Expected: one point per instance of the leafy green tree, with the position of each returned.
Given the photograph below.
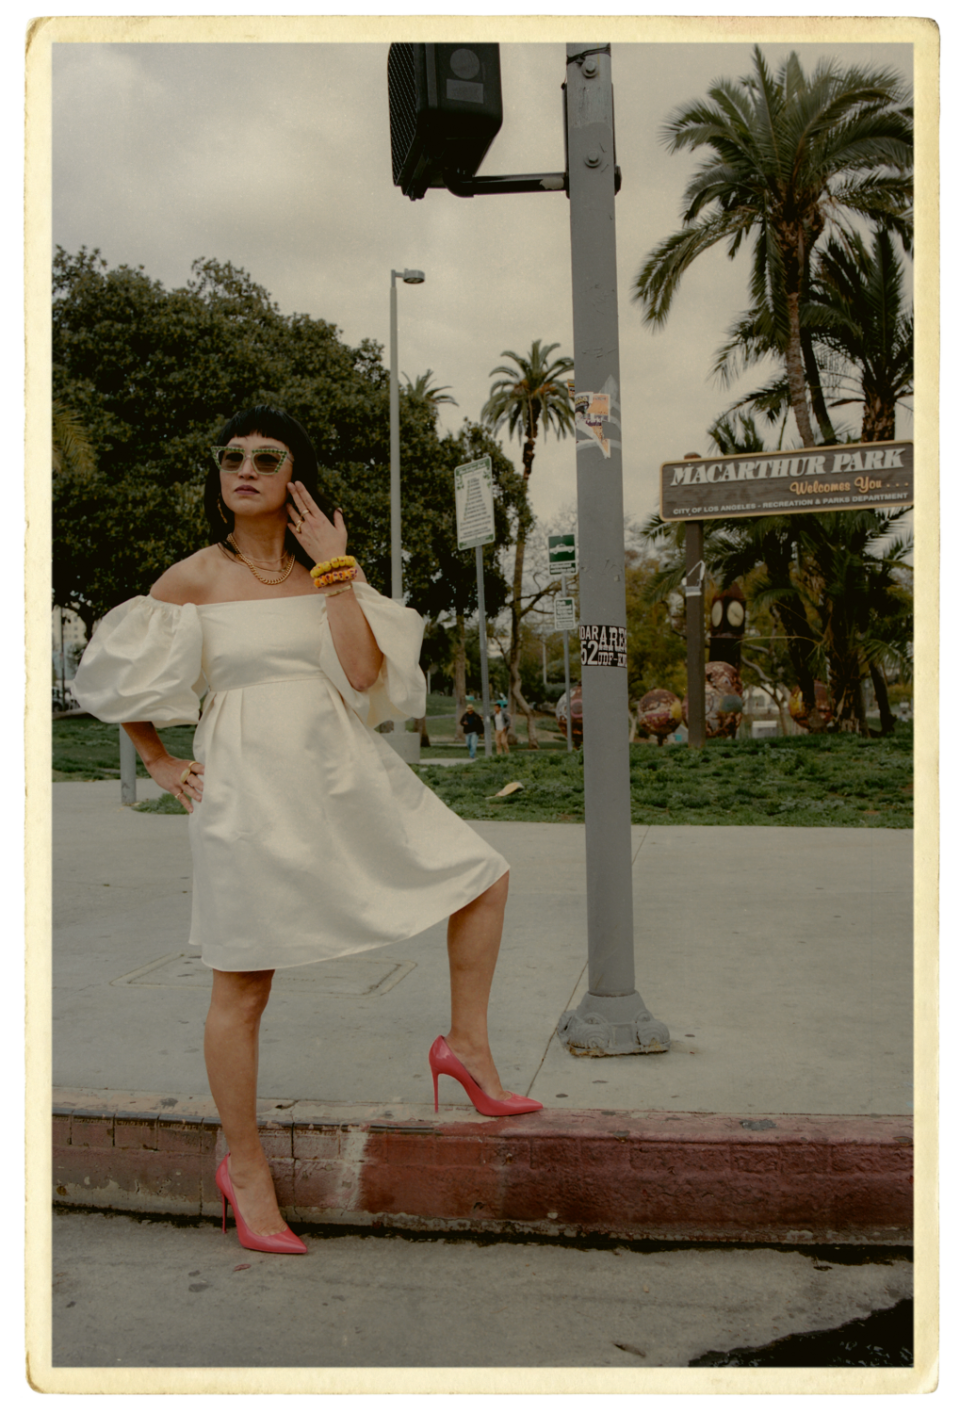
(152, 373)
(789, 157)
(656, 640)
(531, 395)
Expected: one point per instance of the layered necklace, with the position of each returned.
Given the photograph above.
(286, 565)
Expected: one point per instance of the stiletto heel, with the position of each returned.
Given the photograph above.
(444, 1061)
(282, 1243)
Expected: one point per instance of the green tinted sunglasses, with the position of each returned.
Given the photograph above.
(266, 460)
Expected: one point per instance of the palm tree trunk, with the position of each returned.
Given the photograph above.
(795, 378)
(888, 721)
(812, 369)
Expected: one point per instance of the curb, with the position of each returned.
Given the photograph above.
(794, 1179)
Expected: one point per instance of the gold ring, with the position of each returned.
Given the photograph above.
(183, 777)
(194, 765)
(179, 795)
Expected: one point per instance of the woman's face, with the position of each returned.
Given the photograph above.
(248, 492)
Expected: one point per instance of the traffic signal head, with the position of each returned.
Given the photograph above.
(445, 111)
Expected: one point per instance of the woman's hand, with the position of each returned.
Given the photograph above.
(181, 778)
(321, 538)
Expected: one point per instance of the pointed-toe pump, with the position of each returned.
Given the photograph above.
(280, 1243)
(444, 1061)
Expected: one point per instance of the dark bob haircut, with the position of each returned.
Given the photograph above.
(266, 421)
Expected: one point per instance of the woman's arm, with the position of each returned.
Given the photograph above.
(164, 768)
(353, 639)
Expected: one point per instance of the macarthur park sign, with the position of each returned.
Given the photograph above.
(878, 474)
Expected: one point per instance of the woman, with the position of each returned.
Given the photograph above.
(310, 837)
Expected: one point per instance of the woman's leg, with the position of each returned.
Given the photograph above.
(473, 942)
(231, 1050)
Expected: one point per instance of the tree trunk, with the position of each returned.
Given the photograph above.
(789, 613)
(849, 712)
(888, 721)
(513, 662)
(420, 724)
(795, 378)
(812, 369)
(460, 675)
(532, 743)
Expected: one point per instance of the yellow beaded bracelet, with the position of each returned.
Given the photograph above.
(343, 561)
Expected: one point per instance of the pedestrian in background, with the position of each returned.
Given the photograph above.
(472, 724)
(501, 725)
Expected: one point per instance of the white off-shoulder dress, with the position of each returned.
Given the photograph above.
(313, 839)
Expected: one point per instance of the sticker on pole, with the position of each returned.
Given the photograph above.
(473, 488)
(592, 415)
(564, 615)
(602, 645)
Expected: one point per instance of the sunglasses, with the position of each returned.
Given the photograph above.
(266, 460)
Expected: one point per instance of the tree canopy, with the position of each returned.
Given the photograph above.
(149, 374)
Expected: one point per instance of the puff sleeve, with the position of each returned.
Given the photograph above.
(143, 663)
(401, 689)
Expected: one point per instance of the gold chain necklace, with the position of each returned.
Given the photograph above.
(264, 579)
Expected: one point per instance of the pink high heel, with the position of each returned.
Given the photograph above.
(282, 1243)
(444, 1061)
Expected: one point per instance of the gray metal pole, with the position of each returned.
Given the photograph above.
(484, 673)
(612, 1018)
(566, 673)
(396, 566)
(128, 770)
(696, 690)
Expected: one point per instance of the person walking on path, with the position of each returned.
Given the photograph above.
(472, 724)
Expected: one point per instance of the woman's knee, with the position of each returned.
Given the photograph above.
(242, 994)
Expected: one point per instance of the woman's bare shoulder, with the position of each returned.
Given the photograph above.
(189, 580)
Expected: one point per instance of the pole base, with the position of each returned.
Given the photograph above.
(613, 1025)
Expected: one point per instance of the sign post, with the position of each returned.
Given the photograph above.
(612, 1018)
(473, 488)
(562, 552)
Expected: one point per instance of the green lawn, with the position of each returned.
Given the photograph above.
(84, 749)
(794, 780)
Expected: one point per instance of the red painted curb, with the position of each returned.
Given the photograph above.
(792, 1179)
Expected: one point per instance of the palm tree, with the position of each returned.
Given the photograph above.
(524, 398)
(858, 312)
(860, 333)
(790, 157)
(433, 396)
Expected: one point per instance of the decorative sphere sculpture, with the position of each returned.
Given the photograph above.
(659, 714)
(723, 700)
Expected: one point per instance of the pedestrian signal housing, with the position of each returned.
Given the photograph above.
(445, 110)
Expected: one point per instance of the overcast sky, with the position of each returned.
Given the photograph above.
(277, 157)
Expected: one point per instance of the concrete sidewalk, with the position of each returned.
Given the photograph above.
(780, 959)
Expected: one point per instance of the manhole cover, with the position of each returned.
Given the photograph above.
(344, 976)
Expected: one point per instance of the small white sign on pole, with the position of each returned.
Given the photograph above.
(473, 486)
(564, 614)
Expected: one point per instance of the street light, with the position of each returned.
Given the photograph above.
(409, 277)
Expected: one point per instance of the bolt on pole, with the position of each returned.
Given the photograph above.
(612, 1018)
